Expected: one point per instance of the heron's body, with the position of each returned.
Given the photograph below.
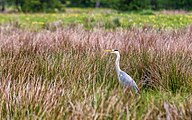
(123, 77)
(127, 81)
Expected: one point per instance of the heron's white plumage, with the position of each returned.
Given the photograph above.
(123, 77)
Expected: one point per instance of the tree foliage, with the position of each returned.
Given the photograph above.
(37, 5)
(133, 4)
(58, 5)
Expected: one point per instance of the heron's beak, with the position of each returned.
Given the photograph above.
(108, 50)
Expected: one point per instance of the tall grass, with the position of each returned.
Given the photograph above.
(65, 74)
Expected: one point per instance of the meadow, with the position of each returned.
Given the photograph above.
(97, 18)
(53, 67)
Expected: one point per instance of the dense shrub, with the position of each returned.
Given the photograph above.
(124, 5)
(37, 5)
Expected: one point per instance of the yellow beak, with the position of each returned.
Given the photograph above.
(108, 50)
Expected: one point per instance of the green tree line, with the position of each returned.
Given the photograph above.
(125, 5)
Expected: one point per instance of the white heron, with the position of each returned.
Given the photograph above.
(123, 77)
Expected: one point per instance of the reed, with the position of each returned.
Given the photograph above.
(65, 74)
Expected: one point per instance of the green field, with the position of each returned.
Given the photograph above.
(98, 19)
(53, 66)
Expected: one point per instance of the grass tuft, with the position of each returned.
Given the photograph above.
(65, 74)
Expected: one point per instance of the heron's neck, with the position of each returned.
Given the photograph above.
(117, 63)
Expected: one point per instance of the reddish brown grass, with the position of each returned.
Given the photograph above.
(65, 74)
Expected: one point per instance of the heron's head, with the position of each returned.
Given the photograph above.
(112, 51)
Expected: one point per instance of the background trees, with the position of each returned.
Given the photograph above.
(59, 5)
(36, 5)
